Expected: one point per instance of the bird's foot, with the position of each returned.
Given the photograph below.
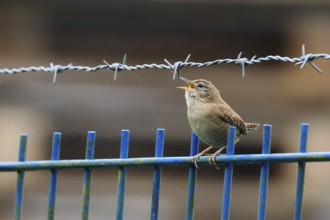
(212, 159)
(196, 158)
(213, 162)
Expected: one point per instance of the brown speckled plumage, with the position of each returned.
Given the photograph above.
(210, 116)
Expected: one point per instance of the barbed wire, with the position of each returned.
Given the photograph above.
(175, 67)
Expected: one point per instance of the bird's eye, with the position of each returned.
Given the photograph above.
(200, 85)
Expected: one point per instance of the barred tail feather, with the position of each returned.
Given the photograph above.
(252, 126)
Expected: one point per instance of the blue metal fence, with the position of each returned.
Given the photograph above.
(123, 163)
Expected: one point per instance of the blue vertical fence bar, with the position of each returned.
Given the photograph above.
(124, 145)
(192, 176)
(301, 172)
(90, 146)
(20, 178)
(53, 175)
(264, 173)
(159, 151)
(228, 176)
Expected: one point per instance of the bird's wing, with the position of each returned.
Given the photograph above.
(228, 115)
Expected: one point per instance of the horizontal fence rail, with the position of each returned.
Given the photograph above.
(229, 161)
(148, 161)
(175, 67)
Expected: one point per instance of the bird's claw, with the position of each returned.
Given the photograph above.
(195, 160)
(212, 160)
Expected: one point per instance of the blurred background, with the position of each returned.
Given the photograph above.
(84, 33)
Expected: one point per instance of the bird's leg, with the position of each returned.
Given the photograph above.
(213, 156)
(197, 156)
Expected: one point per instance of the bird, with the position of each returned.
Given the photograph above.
(209, 117)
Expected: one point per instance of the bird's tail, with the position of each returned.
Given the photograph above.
(252, 126)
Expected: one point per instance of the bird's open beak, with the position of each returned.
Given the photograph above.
(190, 87)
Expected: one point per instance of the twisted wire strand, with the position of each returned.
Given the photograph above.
(175, 67)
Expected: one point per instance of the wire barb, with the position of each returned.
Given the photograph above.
(307, 58)
(177, 66)
(242, 61)
(116, 67)
(54, 71)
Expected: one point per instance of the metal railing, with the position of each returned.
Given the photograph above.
(123, 163)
